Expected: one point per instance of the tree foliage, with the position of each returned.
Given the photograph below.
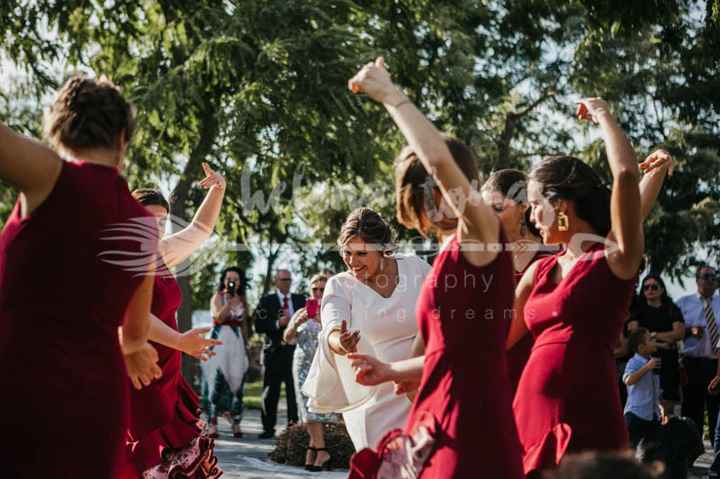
(258, 88)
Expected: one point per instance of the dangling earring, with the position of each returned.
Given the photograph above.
(563, 222)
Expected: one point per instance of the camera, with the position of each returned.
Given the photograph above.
(231, 288)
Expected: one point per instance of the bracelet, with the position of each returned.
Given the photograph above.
(401, 103)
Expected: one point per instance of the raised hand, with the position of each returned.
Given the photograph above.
(212, 179)
(301, 317)
(142, 365)
(591, 109)
(369, 371)
(195, 344)
(657, 160)
(374, 80)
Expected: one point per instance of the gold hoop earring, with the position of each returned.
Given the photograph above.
(563, 222)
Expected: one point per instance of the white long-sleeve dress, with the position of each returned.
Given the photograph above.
(387, 328)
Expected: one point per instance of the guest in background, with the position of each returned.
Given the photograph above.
(227, 368)
(643, 412)
(656, 312)
(303, 331)
(700, 352)
(271, 318)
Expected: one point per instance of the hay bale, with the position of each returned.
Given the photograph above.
(291, 444)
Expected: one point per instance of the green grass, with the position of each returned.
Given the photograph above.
(252, 397)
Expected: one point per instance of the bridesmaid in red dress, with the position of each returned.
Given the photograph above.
(575, 302)
(506, 193)
(461, 421)
(165, 436)
(61, 304)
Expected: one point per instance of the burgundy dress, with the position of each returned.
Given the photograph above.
(461, 424)
(567, 399)
(518, 355)
(165, 434)
(62, 375)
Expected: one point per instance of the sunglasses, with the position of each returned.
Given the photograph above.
(651, 287)
(498, 208)
(284, 279)
(708, 276)
(319, 289)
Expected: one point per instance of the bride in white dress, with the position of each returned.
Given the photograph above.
(371, 309)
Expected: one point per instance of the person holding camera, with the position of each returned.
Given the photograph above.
(226, 370)
(701, 312)
(271, 318)
(303, 331)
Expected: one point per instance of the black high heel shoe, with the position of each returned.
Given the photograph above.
(325, 466)
(310, 466)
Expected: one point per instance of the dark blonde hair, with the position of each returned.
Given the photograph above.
(413, 184)
(367, 225)
(88, 113)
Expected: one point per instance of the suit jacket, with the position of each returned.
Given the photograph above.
(266, 316)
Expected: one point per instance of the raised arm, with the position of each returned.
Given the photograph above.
(518, 329)
(625, 215)
(29, 166)
(656, 167)
(480, 222)
(630, 378)
(177, 247)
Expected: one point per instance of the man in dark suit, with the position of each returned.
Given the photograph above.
(271, 318)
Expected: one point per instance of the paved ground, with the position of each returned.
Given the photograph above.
(246, 458)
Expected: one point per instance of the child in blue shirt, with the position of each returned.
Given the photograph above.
(643, 411)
